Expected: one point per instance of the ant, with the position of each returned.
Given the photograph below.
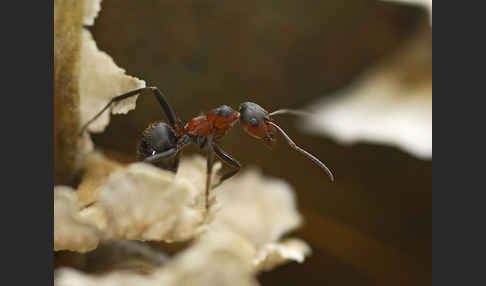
(161, 141)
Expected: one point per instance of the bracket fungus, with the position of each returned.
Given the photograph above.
(241, 235)
(118, 207)
(84, 79)
(390, 104)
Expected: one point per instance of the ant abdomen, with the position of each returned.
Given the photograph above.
(158, 137)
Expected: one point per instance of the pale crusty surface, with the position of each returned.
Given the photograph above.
(85, 79)
(100, 80)
(136, 202)
(70, 232)
(389, 104)
(91, 10)
(238, 238)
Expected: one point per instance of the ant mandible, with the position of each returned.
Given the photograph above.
(161, 141)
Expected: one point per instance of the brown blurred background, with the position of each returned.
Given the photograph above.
(373, 225)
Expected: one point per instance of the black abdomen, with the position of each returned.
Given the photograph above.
(156, 138)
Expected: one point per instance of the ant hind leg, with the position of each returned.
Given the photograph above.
(169, 112)
(209, 170)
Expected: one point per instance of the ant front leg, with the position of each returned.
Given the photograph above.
(175, 164)
(160, 156)
(156, 158)
(228, 159)
(169, 112)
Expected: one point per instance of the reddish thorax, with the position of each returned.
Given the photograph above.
(223, 123)
(198, 126)
(210, 123)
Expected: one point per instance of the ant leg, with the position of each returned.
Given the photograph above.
(209, 169)
(160, 156)
(302, 151)
(175, 164)
(228, 159)
(169, 112)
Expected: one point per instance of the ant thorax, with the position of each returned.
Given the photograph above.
(198, 126)
(216, 122)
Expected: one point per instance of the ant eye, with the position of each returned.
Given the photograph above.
(253, 122)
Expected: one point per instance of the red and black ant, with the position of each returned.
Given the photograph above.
(161, 141)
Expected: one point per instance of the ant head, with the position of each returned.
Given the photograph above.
(255, 122)
(223, 117)
(157, 138)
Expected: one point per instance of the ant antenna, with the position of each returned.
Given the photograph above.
(305, 153)
(290, 111)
